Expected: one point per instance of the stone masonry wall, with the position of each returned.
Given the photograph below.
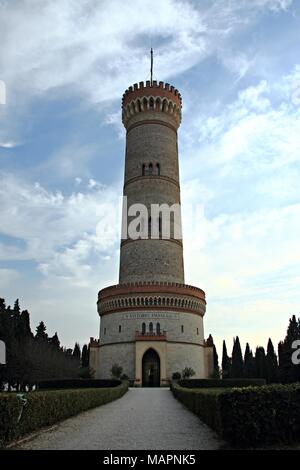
(171, 322)
(149, 260)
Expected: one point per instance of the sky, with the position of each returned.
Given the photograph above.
(65, 65)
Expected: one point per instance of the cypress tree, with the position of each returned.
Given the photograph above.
(271, 364)
(25, 324)
(237, 367)
(216, 373)
(216, 369)
(41, 332)
(17, 310)
(77, 352)
(54, 341)
(85, 360)
(260, 362)
(31, 358)
(249, 365)
(2, 305)
(226, 363)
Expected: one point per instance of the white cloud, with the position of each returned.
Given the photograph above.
(92, 47)
(93, 184)
(53, 225)
(275, 5)
(257, 133)
(97, 49)
(238, 63)
(8, 144)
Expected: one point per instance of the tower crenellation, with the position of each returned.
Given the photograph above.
(145, 97)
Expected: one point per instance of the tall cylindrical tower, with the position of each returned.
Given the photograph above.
(152, 322)
(151, 116)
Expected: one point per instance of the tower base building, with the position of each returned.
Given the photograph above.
(151, 323)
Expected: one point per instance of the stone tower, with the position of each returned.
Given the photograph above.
(152, 322)
(151, 116)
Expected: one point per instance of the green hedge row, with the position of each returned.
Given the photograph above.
(77, 383)
(223, 383)
(253, 416)
(45, 408)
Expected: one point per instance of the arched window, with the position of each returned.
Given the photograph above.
(120, 328)
(182, 329)
(158, 328)
(160, 226)
(149, 227)
(150, 327)
(150, 169)
(151, 103)
(143, 169)
(143, 328)
(105, 331)
(197, 331)
(158, 169)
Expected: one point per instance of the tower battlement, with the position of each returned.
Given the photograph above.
(158, 96)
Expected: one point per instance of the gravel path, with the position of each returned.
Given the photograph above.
(146, 418)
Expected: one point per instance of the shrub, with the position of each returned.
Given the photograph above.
(116, 371)
(263, 415)
(176, 376)
(201, 402)
(224, 383)
(44, 408)
(77, 383)
(188, 372)
(251, 416)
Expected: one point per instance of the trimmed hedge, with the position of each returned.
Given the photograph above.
(77, 383)
(45, 408)
(253, 416)
(224, 383)
(203, 402)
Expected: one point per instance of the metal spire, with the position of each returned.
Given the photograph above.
(151, 69)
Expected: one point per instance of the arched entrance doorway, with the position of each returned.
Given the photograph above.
(151, 369)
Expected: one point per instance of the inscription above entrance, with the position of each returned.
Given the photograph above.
(160, 315)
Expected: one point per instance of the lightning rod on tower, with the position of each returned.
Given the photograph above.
(151, 69)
